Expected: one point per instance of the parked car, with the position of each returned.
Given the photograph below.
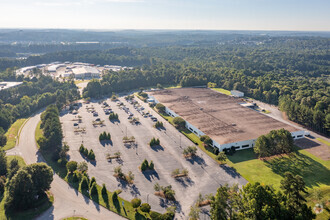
(95, 114)
(75, 124)
(98, 119)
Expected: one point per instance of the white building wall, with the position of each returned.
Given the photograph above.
(241, 145)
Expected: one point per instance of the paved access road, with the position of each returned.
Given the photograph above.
(68, 201)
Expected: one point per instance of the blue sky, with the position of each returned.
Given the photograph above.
(313, 15)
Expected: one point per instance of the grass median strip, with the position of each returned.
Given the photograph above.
(13, 133)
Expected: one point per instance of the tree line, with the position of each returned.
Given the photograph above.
(32, 95)
(259, 201)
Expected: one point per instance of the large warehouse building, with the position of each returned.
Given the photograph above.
(221, 117)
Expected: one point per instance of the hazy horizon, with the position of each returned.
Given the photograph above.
(231, 15)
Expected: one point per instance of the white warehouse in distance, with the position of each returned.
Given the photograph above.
(219, 116)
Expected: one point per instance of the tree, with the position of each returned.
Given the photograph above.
(20, 191)
(82, 167)
(144, 165)
(136, 202)
(42, 176)
(145, 207)
(2, 185)
(93, 190)
(72, 166)
(179, 122)
(194, 212)
(84, 183)
(104, 190)
(293, 187)
(3, 137)
(93, 180)
(219, 204)
(91, 155)
(114, 197)
(3, 163)
(13, 168)
(160, 107)
(151, 165)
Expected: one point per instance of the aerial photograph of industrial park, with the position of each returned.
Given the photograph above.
(164, 110)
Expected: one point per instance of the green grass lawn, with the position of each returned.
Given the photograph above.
(12, 133)
(323, 141)
(42, 205)
(314, 171)
(224, 91)
(38, 133)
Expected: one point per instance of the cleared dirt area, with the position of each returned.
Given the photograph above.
(314, 147)
(205, 175)
(219, 116)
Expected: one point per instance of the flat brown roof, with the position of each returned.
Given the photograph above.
(217, 115)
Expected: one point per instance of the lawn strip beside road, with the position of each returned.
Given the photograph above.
(13, 133)
(127, 211)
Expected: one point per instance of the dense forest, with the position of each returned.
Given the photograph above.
(289, 71)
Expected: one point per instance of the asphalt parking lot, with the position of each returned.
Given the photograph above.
(205, 175)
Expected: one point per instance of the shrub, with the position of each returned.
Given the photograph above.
(179, 122)
(104, 189)
(72, 166)
(190, 151)
(157, 187)
(136, 202)
(130, 176)
(114, 197)
(84, 183)
(145, 207)
(94, 189)
(221, 157)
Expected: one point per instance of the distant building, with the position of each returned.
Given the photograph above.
(237, 93)
(53, 68)
(86, 72)
(7, 85)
